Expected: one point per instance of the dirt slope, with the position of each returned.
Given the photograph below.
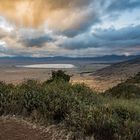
(12, 128)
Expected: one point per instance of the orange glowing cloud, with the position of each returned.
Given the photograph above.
(58, 14)
(24, 12)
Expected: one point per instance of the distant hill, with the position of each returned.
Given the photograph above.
(120, 71)
(60, 59)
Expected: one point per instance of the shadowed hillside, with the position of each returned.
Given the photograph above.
(120, 70)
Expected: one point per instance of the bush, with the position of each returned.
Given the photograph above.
(77, 107)
(7, 98)
(59, 76)
(124, 90)
(30, 96)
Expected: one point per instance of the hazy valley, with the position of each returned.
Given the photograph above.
(98, 73)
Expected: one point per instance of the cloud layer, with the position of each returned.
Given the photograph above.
(69, 27)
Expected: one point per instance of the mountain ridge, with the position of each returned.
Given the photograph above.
(104, 59)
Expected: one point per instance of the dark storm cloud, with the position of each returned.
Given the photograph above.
(125, 37)
(127, 33)
(37, 42)
(111, 8)
(93, 20)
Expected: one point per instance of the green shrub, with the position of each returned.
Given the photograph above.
(76, 106)
(124, 90)
(7, 98)
(30, 96)
(59, 76)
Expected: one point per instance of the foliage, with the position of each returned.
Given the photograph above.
(128, 89)
(59, 76)
(77, 107)
(124, 90)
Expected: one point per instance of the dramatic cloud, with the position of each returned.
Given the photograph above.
(122, 40)
(59, 15)
(69, 27)
(37, 42)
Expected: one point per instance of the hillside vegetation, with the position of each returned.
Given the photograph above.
(127, 90)
(76, 107)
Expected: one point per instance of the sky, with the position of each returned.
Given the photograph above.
(74, 28)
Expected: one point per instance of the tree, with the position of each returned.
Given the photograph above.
(59, 76)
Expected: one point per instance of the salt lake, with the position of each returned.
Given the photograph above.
(49, 66)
